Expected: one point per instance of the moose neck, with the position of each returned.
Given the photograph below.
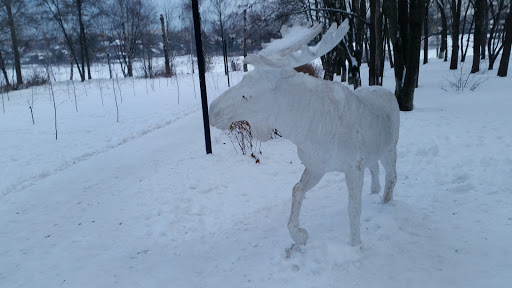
(306, 109)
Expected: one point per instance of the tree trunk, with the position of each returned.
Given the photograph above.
(379, 43)
(405, 96)
(4, 71)
(463, 51)
(14, 41)
(425, 33)
(484, 29)
(455, 8)
(396, 39)
(373, 47)
(505, 56)
(83, 48)
(109, 66)
(477, 37)
(406, 64)
(129, 65)
(444, 31)
(166, 49)
(245, 36)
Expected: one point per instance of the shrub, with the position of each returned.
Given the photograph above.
(160, 73)
(241, 132)
(462, 80)
(37, 79)
(236, 66)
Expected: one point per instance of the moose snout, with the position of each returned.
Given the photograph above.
(217, 117)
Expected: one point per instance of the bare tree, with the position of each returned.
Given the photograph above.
(7, 5)
(220, 7)
(166, 48)
(129, 20)
(84, 48)
(58, 10)
(496, 33)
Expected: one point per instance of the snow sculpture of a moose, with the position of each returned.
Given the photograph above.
(334, 128)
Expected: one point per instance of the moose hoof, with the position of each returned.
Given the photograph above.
(300, 236)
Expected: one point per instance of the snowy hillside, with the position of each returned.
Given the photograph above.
(137, 203)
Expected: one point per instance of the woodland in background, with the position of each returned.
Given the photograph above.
(119, 32)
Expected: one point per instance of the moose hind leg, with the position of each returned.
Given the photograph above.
(389, 164)
(307, 181)
(354, 181)
(374, 171)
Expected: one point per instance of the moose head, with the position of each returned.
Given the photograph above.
(334, 128)
(251, 99)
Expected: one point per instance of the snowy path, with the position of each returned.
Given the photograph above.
(158, 212)
(34, 154)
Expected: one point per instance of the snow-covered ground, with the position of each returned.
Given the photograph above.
(137, 203)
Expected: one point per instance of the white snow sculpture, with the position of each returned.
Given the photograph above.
(334, 128)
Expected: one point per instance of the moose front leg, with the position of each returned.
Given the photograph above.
(307, 181)
(354, 181)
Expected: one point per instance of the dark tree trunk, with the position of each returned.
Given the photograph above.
(14, 41)
(397, 41)
(166, 49)
(502, 70)
(245, 36)
(406, 64)
(375, 43)
(372, 73)
(484, 29)
(406, 95)
(455, 8)
(477, 37)
(4, 71)
(425, 33)
(109, 66)
(379, 43)
(463, 51)
(83, 45)
(444, 31)
(71, 69)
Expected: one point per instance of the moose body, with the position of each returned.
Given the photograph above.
(333, 127)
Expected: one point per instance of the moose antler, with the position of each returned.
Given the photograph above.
(292, 50)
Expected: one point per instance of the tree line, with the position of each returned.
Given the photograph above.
(119, 32)
(396, 29)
